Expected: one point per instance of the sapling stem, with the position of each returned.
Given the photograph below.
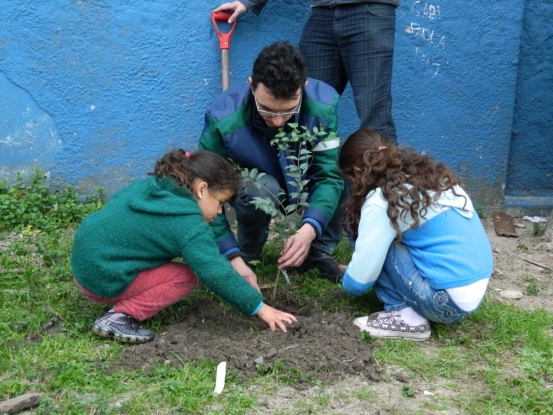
(273, 294)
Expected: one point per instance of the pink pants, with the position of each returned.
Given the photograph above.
(152, 291)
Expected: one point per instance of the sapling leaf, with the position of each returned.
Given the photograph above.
(291, 208)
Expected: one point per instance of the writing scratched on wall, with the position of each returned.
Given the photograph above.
(427, 35)
(428, 11)
(429, 43)
(427, 61)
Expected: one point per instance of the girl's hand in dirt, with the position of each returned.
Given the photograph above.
(272, 316)
(237, 8)
(240, 267)
(296, 247)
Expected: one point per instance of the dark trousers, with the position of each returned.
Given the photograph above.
(253, 223)
(355, 43)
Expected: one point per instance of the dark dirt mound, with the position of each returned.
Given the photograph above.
(319, 346)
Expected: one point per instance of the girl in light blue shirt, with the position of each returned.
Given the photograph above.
(419, 242)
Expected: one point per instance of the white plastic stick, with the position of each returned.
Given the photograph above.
(220, 378)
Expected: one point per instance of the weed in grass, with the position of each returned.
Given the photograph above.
(407, 391)
(276, 371)
(31, 206)
(481, 212)
(522, 247)
(538, 230)
(366, 337)
(533, 289)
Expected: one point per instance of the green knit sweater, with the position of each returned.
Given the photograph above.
(146, 225)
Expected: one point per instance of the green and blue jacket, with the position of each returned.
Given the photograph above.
(235, 130)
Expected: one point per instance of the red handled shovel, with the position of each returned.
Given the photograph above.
(224, 43)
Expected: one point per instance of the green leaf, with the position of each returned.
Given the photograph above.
(291, 208)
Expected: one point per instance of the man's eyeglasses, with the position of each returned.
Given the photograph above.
(270, 114)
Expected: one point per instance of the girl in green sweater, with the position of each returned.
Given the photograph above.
(123, 254)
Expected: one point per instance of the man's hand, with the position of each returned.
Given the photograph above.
(240, 267)
(272, 316)
(296, 247)
(237, 8)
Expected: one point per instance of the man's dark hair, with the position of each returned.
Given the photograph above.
(281, 68)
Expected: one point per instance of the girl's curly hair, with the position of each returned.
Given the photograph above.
(410, 182)
(218, 173)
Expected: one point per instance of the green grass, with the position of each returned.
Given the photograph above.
(501, 357)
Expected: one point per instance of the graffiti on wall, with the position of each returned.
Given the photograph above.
(429, 43)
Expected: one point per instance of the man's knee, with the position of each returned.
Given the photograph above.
(266, 187)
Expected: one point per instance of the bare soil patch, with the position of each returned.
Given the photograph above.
(320, 346)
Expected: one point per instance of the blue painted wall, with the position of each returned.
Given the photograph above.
(95, 91)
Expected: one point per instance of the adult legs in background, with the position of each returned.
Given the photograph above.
(355, 43)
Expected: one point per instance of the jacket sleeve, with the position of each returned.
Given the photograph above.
(326, 180)
(255, 6)
(375, 235)
(212, 140)
(200, 253)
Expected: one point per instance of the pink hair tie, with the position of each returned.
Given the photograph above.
(382, 148)
(187, 154)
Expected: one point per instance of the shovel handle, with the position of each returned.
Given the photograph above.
(224, 38)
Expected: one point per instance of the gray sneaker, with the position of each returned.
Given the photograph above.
(391, 326)
(121, 327)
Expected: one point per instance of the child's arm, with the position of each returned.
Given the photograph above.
(375, 235)
(272, 316)
(240, 267)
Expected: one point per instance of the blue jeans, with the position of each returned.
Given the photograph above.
(401, 285)
(355, 43)
(253, 223)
